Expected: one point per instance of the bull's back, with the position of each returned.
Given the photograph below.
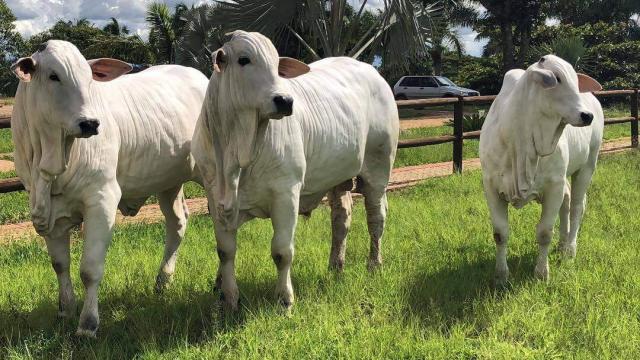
(156, 112)
(344, 108)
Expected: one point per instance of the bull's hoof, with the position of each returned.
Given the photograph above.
(542, 272)
(85, 333)
(336, 265)
(286, 306)
(568, 251)
(374, 264)
(88, 327)
(163, 280)
(229, 302)
(67, 311)
(501, 279)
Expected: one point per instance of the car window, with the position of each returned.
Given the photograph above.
(444, 81)
(410, 82)
(428, 82)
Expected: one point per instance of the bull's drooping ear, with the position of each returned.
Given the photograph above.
(24, 68)
(588, 84)
(107, 69)
(546, 78)
(219, 60)
(289, 68)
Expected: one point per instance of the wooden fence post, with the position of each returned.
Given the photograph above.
(458, 129)
(634, 114)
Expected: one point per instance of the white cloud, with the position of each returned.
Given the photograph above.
(35, 16)
(471, 45)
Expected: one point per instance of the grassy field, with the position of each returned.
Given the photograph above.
(433, 297)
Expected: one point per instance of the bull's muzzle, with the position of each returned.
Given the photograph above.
(284, 105)
(587, 118)
(88, 127)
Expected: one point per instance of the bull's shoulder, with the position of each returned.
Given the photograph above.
(510, 79)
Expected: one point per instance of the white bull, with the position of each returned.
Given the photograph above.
(334, 120)
(527, 151)
(89, 142)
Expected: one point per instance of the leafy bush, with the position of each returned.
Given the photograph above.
(471, 122)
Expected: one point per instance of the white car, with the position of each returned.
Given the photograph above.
(416, 87)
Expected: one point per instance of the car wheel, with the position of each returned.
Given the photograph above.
(401, 97)
(448, 95)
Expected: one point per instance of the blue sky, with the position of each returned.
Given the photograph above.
(37, 15)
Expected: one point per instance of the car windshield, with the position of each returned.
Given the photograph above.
(444, 81)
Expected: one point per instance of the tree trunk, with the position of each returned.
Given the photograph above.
(525, 44)
(436, 59)
(508, 58)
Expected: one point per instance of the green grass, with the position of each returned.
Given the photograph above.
(6, 146)
(432, 299)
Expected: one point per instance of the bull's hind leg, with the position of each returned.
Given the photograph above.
(58, 247)
(564, 214)
(375, 177)
(341, 203)
(579, 186)
(99, 219)
(173, 207)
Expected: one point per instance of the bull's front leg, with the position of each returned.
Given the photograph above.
(227, 206)
(499, 211)
(41, 204)
(284, 217)
(99, 220)
(58, 241)
(226, 277)
(553, 198)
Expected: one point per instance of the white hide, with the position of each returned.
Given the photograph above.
(537, 134)
(257, 162)
(142, 148)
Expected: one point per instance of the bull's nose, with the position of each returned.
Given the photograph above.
(284, 104)
(89, 127)
(586, 118)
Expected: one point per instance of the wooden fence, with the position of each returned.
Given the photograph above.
(458, 136)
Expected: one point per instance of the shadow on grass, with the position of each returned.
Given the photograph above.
(452, 294)
(133, 322)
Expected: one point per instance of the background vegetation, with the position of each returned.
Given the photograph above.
(404, 37)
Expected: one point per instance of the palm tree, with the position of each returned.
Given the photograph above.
(201, 35)
(399, 34)
(165, 29)
(114, 28)
(444, 36)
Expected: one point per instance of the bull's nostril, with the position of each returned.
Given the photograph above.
(89, 127)
(586, 117)
(284, 104)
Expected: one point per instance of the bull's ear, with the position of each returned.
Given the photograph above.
(107, 69)
(546, 78)
(219, 60)
(289, 68)
(588, 84)
(24, 68)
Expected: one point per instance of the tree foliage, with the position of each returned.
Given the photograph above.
(11, 45)
(201, 36)
(399, 32)
(94, 42)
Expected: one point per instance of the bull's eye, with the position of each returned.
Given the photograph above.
(244, 61)
(54, 77)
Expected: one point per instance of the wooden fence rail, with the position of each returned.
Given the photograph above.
(458, 136)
